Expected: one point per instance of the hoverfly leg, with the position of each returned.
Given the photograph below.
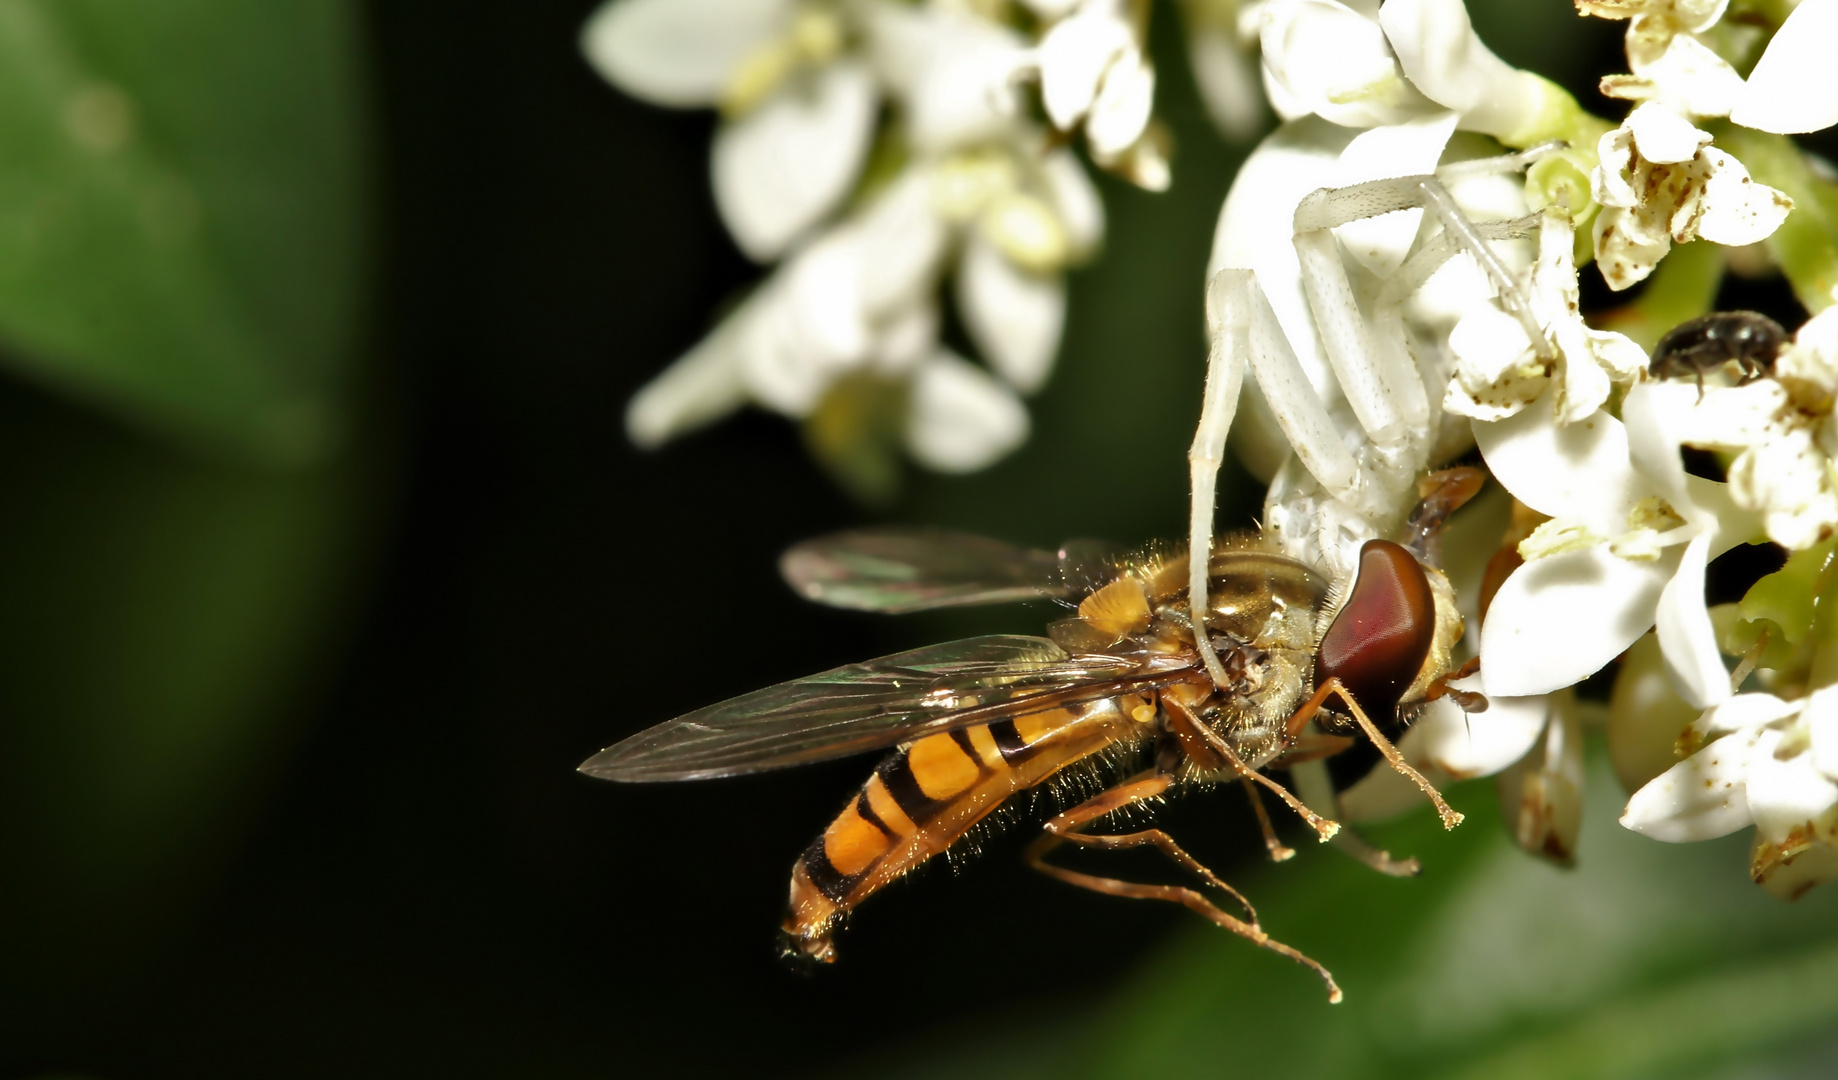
(1333, 688)
(1066, 828)
(1189, 726)
(1356, 846)
(1310, 748)
(1279, 852)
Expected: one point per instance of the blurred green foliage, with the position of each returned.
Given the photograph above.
(181, 224)
(1646, 960)
(183, 232)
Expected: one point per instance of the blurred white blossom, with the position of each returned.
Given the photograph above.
(965, 189)
(798, 102)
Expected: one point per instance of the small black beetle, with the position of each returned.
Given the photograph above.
(1708, 342)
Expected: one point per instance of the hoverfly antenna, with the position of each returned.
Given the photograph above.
(1440, 495)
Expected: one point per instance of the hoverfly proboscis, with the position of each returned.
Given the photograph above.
(977, 721)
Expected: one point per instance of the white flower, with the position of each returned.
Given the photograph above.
(1361, 65)
(862, 297)
(1786, 433)
(1670, 61)
(1766, 762)
(1627, 545)
(1794, 87)
(1660, 183)
(800, 106)
(1497, 373)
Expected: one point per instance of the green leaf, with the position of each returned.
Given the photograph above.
(182, 213)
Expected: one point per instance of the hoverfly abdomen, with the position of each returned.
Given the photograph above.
(926, 795)
(1705, 344)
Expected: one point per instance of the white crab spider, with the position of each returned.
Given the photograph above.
(1369, 476)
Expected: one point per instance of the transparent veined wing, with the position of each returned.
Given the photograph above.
(875, 704)
(897, 570)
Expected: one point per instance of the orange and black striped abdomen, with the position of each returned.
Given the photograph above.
(927, 794)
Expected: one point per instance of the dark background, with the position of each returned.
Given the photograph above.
(394, 869)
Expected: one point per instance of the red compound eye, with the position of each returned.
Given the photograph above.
(1377, 643)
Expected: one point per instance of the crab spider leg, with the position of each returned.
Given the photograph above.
(1440, 248)
(1456, 223)
(1386, 397)
(1245, 328)
(1228, 312)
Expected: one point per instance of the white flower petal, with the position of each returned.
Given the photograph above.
(1822, 728)
(1649, 415)
(679, 52)
(1700, 798)
(784, 166)
(1410, 148)
(823, 294)
(1692, 77)
(1685, 634)
(1541, 796)
(961, 420)
(1786, 793)
(1586, 384)
(1120, 115)
(1014, 316)
(1794, 87)
(1439, 51)
(903, 243)
(905, 339)
(1744, 711)
(1559, 619)
(1581, 470)
(1075, 200)
(1646, 717)
(1487, 343)
(779, 369)
(701, 387)
(1335, 62)
(1228, 82)
(1663, 136)
(1733, 209)
(1074, 56)
(1481, 744)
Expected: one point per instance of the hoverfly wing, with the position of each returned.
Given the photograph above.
(861, 707)
(896, 570)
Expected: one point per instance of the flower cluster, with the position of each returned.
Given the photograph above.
(1612, 537)
(1620, 534)
(870, 150)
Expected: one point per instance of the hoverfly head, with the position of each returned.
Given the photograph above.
(1390, 644)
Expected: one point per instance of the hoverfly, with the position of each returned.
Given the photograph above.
(975, 722)
(1705, 344)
